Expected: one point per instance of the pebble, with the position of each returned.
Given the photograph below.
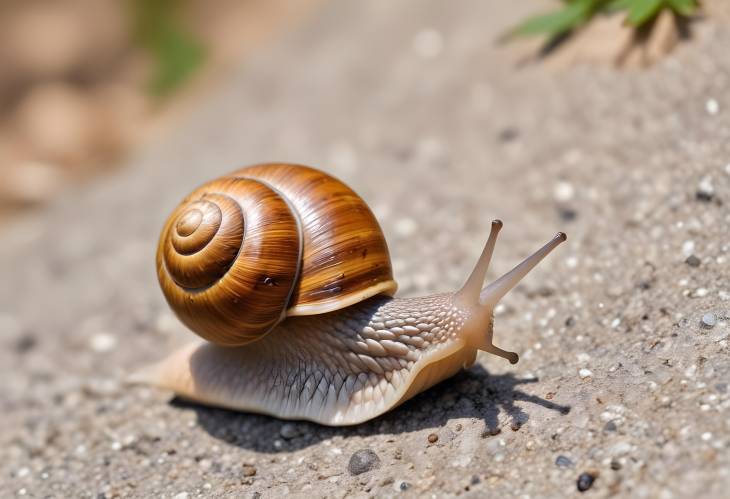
(25, 343)
(688, 248)
(585, 481)
(181, 495)
(610, 427)
(712, 106)
(705, 189)
(692, 261)
(102, 342)
(563, 191)
(362, 461)
(249, 470)
(709, 320)
(433, 438)
(563, 462)
(406, 227)
(585, 373)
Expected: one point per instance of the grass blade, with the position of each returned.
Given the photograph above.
(556, 23)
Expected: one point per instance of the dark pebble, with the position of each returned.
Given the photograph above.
(570, 321)
(405, 485)
(433, 438)
(25, 344)
(704, 195)
(610, 427)
(362, 461)
(508, 134)
(249, 470)
(563, 462)
(567, 214)
(693, 261)
(475, 480)
(615, 465)
(585, 481)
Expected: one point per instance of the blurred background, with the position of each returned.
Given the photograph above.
(605, 119)
(85, 82)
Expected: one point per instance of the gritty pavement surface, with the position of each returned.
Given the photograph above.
(622, 388)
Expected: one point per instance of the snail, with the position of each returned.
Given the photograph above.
(285, 272)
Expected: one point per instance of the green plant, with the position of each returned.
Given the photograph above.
(176, 51)
(575, 13)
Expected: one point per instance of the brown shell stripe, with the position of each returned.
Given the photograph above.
(230, 280)
(345, 257)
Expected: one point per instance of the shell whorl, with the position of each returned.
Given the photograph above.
(243, 251)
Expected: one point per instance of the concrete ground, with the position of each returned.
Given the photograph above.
(623, 332)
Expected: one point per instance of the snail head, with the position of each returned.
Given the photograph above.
(478, 303)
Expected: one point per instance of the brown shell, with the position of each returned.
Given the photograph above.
(243, 251)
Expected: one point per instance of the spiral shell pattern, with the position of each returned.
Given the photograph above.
(228, 260)
(243, 251)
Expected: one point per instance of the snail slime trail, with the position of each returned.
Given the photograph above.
(284, 273)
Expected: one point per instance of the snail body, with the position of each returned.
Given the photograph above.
(286, 273)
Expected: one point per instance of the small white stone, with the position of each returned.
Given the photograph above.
(181, 495)
(428, 43)
(688, 248)
(712, 106)
(705, 187)
(103, 342)
(116, 445)
(615, 323)
(727, 168)
(406, 227)
(707, 436)
(563, 191)
(22, 472)
(709, 320)
(585, 373)
(571, 262)
(700, 292)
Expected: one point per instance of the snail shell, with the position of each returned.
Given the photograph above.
(244, 251)
(269, 242)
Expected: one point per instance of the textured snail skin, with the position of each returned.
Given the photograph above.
(353, 364)
(340, 368)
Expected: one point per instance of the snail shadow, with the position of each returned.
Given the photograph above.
(470, 394)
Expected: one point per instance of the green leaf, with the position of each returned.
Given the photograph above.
(176, 52)
(559, 22)
(619, 5)
(683, 7)
(641, 11)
